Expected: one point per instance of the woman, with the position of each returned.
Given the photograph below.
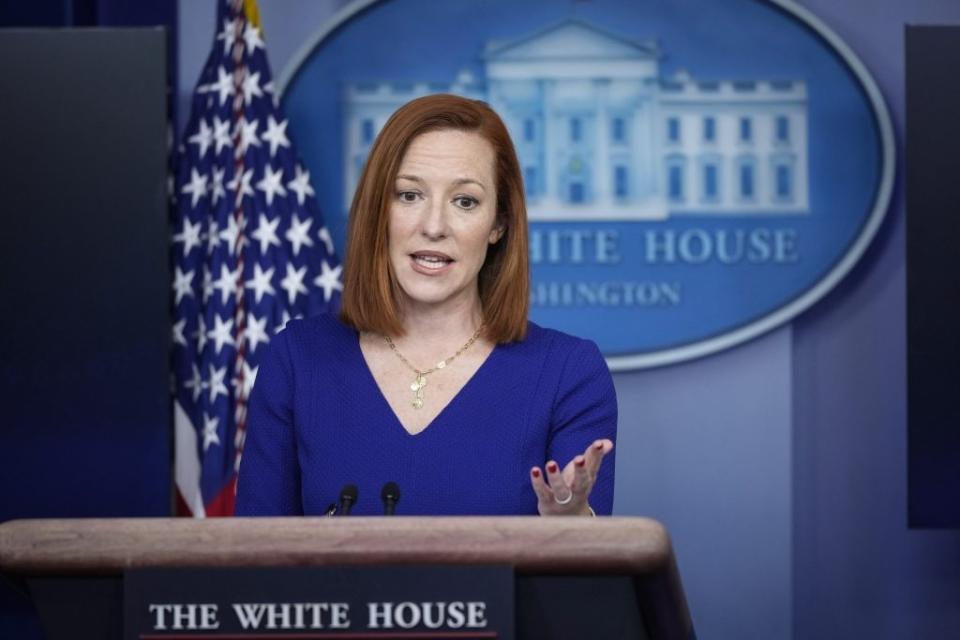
(432, 377)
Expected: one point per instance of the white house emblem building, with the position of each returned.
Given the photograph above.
(602, 136)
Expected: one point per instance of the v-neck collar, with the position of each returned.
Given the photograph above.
(375, 386)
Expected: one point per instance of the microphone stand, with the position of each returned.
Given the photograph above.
(348, 497)
(390, 494)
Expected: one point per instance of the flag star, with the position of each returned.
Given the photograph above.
(301, 185)
(197, 187)
(200, 334)
(216, 384)
(248, 135)
(276, 135)
(299, 233)
(178, 332)
(216, 185)
(228, 35)
(293, 282)
(203, 138)
(221, 333)
(241, 184)
(189, 236)
(207, 283)
(251, 87)
(326, 239)
(221, 133)
(329, 280)
(195, 384)
(210, 435)
(245, 379)
(223, 86)
(260, 283)
(213, 236)
(256, 332)
(226, 284)
(233, 234)
(182, 284)
(251, 37)
(266, 233)
(271, 184)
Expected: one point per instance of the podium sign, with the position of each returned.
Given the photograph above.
(406, 601)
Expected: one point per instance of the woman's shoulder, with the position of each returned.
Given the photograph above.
(324, 332)
(322, 325)
(568, 370)
(552, 349)
(553, 340)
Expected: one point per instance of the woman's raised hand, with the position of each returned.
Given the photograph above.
(567, 492)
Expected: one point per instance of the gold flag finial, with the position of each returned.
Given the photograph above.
(252, 12)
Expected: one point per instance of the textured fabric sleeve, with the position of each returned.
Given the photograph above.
(269, 480)
(585, 410)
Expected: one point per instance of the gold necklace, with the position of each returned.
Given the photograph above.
(421, 376)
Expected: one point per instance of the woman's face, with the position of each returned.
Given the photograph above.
(443, 216)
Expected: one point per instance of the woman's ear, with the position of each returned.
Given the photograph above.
(496, 233)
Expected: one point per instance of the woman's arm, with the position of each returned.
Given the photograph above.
(584, 416)
(269, 480)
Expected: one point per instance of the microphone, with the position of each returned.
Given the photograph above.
(348, 497)
(390, 494)
(331, 509)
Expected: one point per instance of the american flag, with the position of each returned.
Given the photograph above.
(250, 252)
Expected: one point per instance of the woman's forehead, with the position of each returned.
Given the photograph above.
(449, 154)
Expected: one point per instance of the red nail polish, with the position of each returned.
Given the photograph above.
(598, 446)
(552, 467)
(581, 462)
(535, 472)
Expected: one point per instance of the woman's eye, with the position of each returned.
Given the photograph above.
(465, 202)
(408, 196)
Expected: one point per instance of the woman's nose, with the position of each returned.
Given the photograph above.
(434, 222)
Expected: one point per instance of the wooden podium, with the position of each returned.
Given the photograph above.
(575, 577)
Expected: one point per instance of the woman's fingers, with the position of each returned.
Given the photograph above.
(554, 498)
(567, 491)
(544, 494)
(582, 480)
(594, 455)
(561, 492)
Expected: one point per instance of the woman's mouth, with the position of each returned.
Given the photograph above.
(430, 262)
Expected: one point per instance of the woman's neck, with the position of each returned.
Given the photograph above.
(434, 332)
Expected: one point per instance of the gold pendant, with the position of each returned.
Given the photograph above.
(417, 387)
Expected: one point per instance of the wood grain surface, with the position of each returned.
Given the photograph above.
(610, 546)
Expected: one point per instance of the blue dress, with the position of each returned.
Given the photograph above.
(317, 421)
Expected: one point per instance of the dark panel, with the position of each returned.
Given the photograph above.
(83, 265)
(87, 13)
(39, 13)
(933, 278)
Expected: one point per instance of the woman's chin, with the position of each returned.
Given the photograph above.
(431, 296)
